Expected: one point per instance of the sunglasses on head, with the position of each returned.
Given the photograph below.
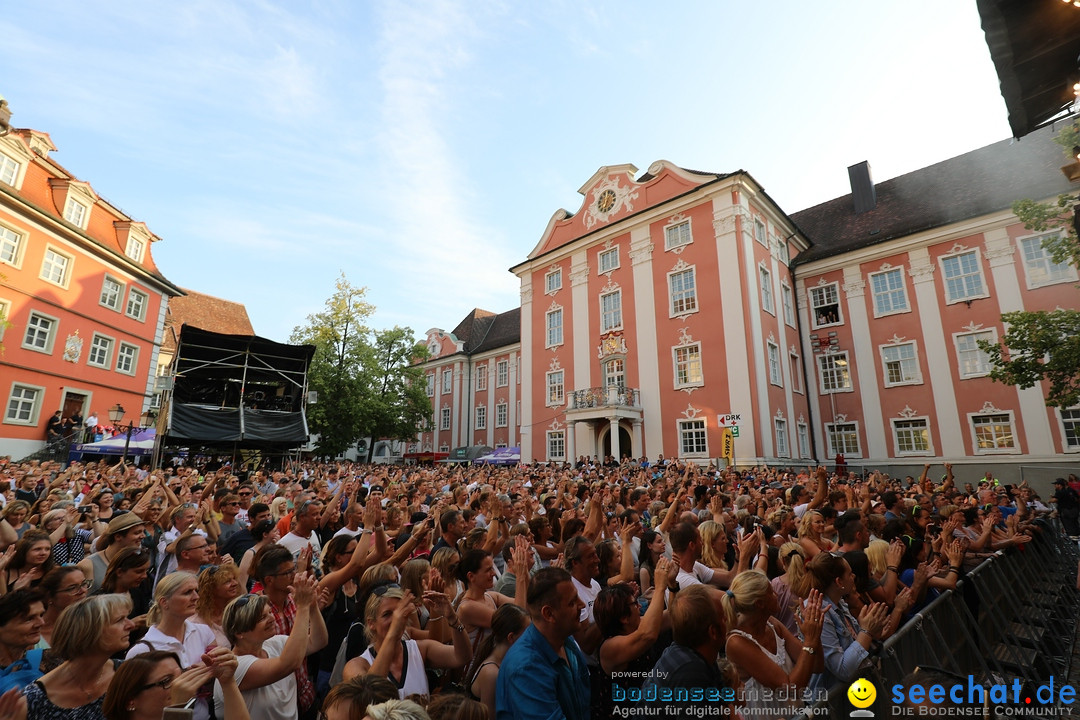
(380, 590)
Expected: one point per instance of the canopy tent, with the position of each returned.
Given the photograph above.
(501, 456)
(142, 443)
(240, 390)
(467, 453)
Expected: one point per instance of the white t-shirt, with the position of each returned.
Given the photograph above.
(701, 574)
(296, 543)
(276, 701)
(588, 596)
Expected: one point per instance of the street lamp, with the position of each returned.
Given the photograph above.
(116, 414)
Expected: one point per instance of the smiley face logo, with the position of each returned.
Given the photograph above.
(862, 693)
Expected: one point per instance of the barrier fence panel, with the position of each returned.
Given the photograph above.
(1013, 617)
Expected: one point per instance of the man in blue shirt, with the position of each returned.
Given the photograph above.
(544, 675)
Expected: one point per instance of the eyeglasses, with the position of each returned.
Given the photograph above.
(197, 547)
(244, 600)
(244, 493)
(164, 683)
(290, 571)
(74, 589)
(234, 502)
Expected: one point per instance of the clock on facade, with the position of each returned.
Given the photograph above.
(606, 201)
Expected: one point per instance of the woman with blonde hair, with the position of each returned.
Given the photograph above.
(393, 655)
(446, 561)
(173, 627)
(812, 534)
(219, 585)
(714, 543)
(791, 587)
(86, 636)
(767, 655)
(267, 661)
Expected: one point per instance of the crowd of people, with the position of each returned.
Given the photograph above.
(589, 589)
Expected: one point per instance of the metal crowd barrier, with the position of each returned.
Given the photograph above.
(1013, 617)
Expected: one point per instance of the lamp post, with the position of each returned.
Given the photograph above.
(116, 414)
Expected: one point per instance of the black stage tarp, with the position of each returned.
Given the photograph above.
(238, 389)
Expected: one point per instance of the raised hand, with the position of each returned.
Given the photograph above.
(873, 618)
(811, 619)
(303, 588)
(188, 683)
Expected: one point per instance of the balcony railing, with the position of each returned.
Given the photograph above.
(610, 396)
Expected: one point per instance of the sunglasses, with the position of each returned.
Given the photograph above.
(381, 590)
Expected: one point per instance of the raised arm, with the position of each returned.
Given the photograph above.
(265, 671)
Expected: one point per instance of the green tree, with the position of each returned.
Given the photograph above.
(340, 336)
(397, 406)
(1040, 345)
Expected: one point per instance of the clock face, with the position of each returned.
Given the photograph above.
(606, 201)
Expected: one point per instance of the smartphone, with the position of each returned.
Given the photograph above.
(84, 509)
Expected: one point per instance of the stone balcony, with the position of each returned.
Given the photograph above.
(613, 396)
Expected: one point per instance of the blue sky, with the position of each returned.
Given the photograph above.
(422, 147)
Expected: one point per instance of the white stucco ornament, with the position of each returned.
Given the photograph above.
(608, 198)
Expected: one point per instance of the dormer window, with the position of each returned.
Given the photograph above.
(75, 212)
(135, 247)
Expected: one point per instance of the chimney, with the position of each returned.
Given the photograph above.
(862, 187)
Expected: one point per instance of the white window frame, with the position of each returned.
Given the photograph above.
(917, 377)
(555, 388)
(66, 268)
(136, 248)
(611, 320)
(833, 359)
(810, 291)
(795, 363)
(481, 377)
(783, 448)
(10, 170)
(556, 444)
(502, 373)
(615, 372)
(142, 305)
(804, 439)
(1013, 450)
(444, 417)
(765, 279)
(10, 237)
(676, 230)
(431, 384)
(776, 371)
(480, 416)
(1054, 274)
(1064, 423)
(830, 429)
(118, 303)
(788, 300)
(502, 414)
(444, 448)
(682, 301)
(925, 420)
(553, 325)
(949, 298)
(447, 381)
(607, 260)
(76, 212)
(122, 353)
(50, 337)
(695, 431)
(553, 281)
(99, 341)
(692, 350)
(991, 336)
(889, 292)
(35, 404)
(760, 232)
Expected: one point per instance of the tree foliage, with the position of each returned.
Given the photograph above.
(397, 405)
(366, 383)
(1040, 345)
